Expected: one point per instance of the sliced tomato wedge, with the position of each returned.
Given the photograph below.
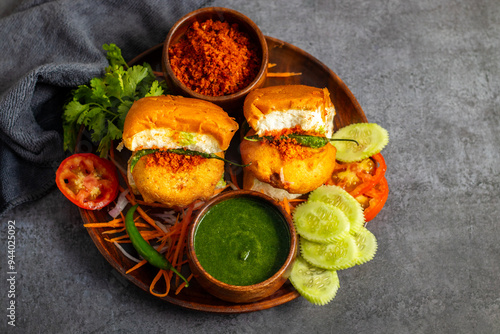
(87, 180)
(358, 177)
(374, 199)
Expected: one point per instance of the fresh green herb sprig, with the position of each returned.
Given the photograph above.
(139, 154)
(304, 140)
(103, 105)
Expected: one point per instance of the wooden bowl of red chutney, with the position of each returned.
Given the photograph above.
(242, 246)
(215, 54)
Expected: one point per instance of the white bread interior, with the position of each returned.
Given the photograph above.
(169, 139)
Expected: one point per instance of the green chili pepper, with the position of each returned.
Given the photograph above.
(144, 248)
(304, 140)
(139, 154)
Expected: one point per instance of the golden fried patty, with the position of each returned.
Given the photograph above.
(289, 166)
(177, 180)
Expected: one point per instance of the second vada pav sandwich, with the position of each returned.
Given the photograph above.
(287, 145)
(178, 147)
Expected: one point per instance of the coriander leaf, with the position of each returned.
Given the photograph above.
(104, 146)
(103, 104)
(114, 55)
(132, 78)
(70, 134)
(113, 131)
(156, 89)
(92, 114)
(99, 91)
(98, 127)
(73, 110)
(82, 94)
(123, 109)
(114, 81)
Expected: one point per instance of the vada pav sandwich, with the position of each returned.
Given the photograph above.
(287, 146)
(178, 147)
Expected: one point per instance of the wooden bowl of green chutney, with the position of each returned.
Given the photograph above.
(242, 246)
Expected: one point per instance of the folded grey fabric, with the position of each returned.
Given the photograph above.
(48, 48)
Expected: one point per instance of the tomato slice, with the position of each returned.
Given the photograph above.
(375, 199)
(358, 177)
(87, 180)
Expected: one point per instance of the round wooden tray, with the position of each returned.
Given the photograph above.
(287, 58)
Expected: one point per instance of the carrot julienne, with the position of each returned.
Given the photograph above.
(286, 204)
(233, 178)
(164, 274)
(138, 265)
(183, 284)
(282, 74)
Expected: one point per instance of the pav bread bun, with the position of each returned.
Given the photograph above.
(162, 121)
(166, 135)
(285, 107)
(282, 163)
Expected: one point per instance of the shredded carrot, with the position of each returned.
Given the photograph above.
(118, 222)
(233, 178)
(115, 231)
(161, 273)
(286, 205)
(158, 74)
(282, 74)
(297, 200)
(118, 239)
(127, 241)
(183, 284)
(140, 264)
(181, 243)
(270, 65)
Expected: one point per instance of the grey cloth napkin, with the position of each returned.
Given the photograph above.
(48, 48)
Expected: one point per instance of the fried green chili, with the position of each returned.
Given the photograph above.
(144, 248)
(304, 140)
(139, 154)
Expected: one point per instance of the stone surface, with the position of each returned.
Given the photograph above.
(427, 71)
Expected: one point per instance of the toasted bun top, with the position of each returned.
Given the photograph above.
(263, 101)
(179, 114)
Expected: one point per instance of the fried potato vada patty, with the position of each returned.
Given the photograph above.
(298, 171)
(178, 180)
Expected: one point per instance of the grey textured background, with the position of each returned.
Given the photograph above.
(427, 71)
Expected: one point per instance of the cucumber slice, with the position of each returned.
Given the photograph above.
(341, 254)
(366, 244)
(371, 137)
(320, 222)
(318, 286)
(341, 199)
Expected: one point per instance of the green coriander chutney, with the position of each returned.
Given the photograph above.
(242, 241)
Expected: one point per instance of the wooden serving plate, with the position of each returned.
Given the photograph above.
(287, 58)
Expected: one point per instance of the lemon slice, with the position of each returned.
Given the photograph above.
(338, 255)
(366, 244)
(318, 286)
(341, 199)
(320, 222)
(371, 138)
